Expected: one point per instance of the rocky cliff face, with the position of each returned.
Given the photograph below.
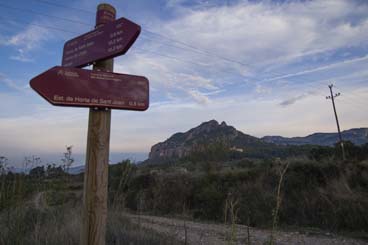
(182, 144)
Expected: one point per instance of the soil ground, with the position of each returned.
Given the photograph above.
(218, 234)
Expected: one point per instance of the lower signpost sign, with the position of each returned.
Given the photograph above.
(64, 86)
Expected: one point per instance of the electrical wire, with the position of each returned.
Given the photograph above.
(33, 24)
(42, 14)
(63, 6)
(188, 47)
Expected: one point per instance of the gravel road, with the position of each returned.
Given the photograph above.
(217, 234)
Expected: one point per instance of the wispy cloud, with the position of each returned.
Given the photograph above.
(321, 68)
(27, 41)
(199, 97)
(11, 83)
(235, 46)
(241, 40)
(294, 99)
(250, 31)
(260, 89)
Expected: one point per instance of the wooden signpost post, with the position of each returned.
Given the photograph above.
(101, 90)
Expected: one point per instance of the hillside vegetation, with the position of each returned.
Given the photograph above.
(314, 190)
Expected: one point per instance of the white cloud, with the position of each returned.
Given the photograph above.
(21, 56)
(255, 32)
(11, 84)
(138, 131)
(199, 97)
(192, 87)
(264, 35)
(262, 89)
(321, 68)
(294, 99)
(28, 40)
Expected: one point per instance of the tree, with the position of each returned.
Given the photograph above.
(31, 162)
(37, 172)
(53, 171)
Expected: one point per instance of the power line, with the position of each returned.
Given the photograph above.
(157, 53)
(168, 56)
(144, 50)
(141, 49)
(42, 14)
(354, 96)
(42, 26)
(177, 59)
(201, 51)
(357, 106)
(188, 47)
(63, 6)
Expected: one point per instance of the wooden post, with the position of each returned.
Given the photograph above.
(94, 210)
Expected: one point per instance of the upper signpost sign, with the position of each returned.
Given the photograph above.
(105, 42)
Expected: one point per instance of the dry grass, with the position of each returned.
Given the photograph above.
(53, 217)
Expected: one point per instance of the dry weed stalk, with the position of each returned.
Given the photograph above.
(231, 207)
(275, 212)
(120, 197)
(185, 216)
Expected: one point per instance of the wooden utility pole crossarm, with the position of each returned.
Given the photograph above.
(94, 210)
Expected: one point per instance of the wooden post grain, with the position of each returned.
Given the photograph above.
(94, 210)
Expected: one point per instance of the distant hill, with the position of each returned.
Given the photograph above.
(206, 135)
(226, 137)
(183, 144)
(76, 169)
(358, 136)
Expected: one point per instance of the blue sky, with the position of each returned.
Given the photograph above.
(261, 66)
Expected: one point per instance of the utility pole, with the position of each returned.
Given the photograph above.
(332, 97)
(94, 211)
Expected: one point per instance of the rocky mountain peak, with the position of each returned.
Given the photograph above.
(205, 127)
(182, 144)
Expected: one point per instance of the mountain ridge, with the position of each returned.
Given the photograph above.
(183, 144)
(358, 136)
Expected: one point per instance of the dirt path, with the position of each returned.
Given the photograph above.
(215, 234)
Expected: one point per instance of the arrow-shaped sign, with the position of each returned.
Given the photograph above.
(108, 41)
(64, 86)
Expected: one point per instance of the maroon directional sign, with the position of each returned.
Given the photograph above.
(65, 86)
(107, 41)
